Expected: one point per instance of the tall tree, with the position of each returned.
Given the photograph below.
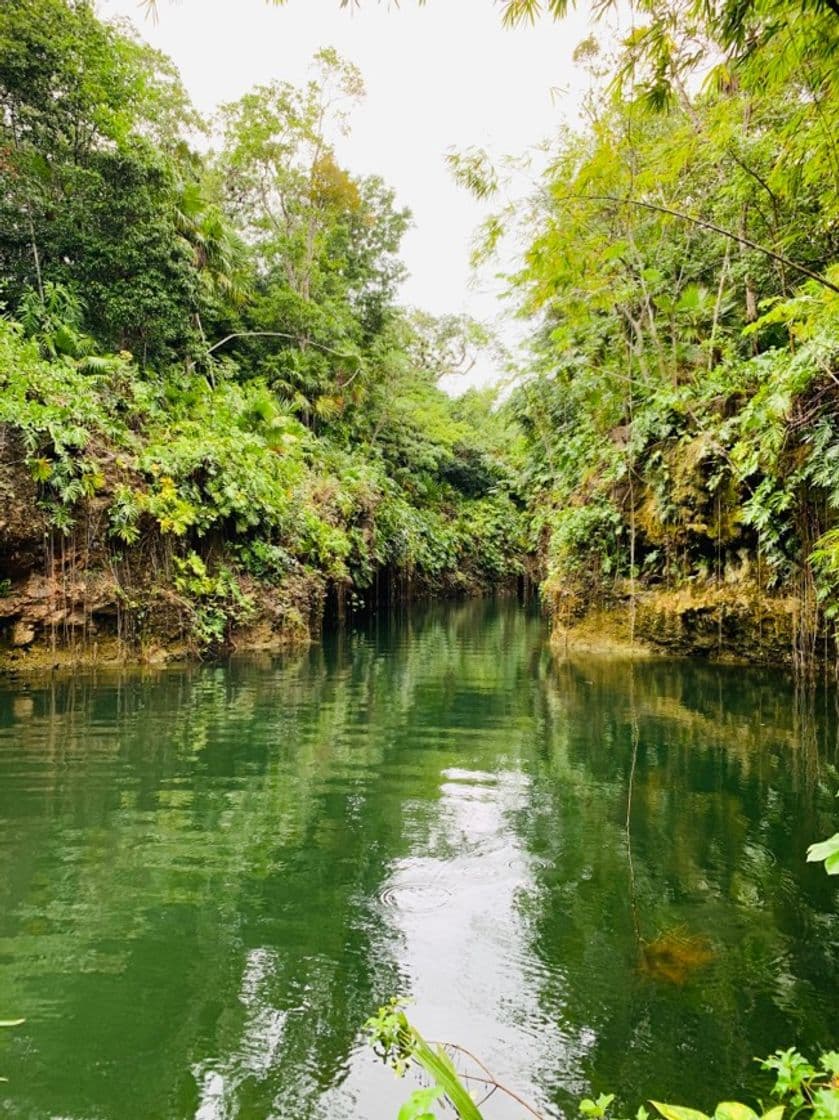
(324, 243)
(92, 128)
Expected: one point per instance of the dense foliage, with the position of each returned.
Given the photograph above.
(680, 405)
(207, 387)
(225, 328)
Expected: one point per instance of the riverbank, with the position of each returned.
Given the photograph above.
(85, 617)
(49, 625)
(211, 518)
(112, 653)
(94, 621)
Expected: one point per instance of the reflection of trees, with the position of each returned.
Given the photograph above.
(194, 858)
(191, 862)
(725, 799)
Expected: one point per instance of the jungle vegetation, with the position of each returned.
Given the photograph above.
(218, 410)
(679, 269)
(212, 406)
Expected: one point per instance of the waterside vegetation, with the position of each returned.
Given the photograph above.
(680, 272)
(213, 412)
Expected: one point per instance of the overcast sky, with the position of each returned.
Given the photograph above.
(444, 75)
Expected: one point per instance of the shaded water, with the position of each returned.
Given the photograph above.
(209, 877)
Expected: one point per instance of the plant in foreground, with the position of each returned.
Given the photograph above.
(805, 1089)
(826, 852)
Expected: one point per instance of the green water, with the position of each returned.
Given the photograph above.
(210, 876)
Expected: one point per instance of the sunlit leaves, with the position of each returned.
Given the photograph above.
(829, 1061)
(596, 1108)
(677, 1112)
(734, 1110)
(826, 852)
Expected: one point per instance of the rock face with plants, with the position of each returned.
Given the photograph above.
(680, 408)
(213, 414)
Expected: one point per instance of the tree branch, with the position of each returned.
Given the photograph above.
(279, 334)
(705, 224)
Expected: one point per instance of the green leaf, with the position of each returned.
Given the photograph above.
(734, 1110)
(828, 852)
(830, 1061)
(826, 1104)
(677, 1112)
(596, 1109)
(418, 1105)
(41, 469)
(11, 1022)
(792, 1070)
(616, 250)
(438, 1065)
(774, 1113)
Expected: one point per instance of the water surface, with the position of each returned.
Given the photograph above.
(589, 873)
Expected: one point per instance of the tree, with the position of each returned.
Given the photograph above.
(324, 244)
(92, 131)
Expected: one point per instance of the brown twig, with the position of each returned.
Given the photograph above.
(490, 1079)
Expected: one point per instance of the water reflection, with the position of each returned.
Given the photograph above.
(671, 808)
(591, 873)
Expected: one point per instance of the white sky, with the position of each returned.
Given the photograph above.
(447, 74)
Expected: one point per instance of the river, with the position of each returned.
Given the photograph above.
(588, 872)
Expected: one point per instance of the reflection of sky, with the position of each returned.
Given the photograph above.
(468, 970)
(261, 1041)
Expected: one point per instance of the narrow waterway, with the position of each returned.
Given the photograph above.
(590, 873)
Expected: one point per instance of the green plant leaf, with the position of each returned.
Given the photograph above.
(826, 1104)
(830, 1061)
(596, 1108)
(438, 1065)
(828, 852)
(677, 1112)
(774, 1113)
(734, 1110)
(418, 1105)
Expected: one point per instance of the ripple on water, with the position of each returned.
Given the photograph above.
(415, 898)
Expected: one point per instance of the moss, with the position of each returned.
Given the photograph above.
(723, 622)
(603, 632)
(110, 653)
